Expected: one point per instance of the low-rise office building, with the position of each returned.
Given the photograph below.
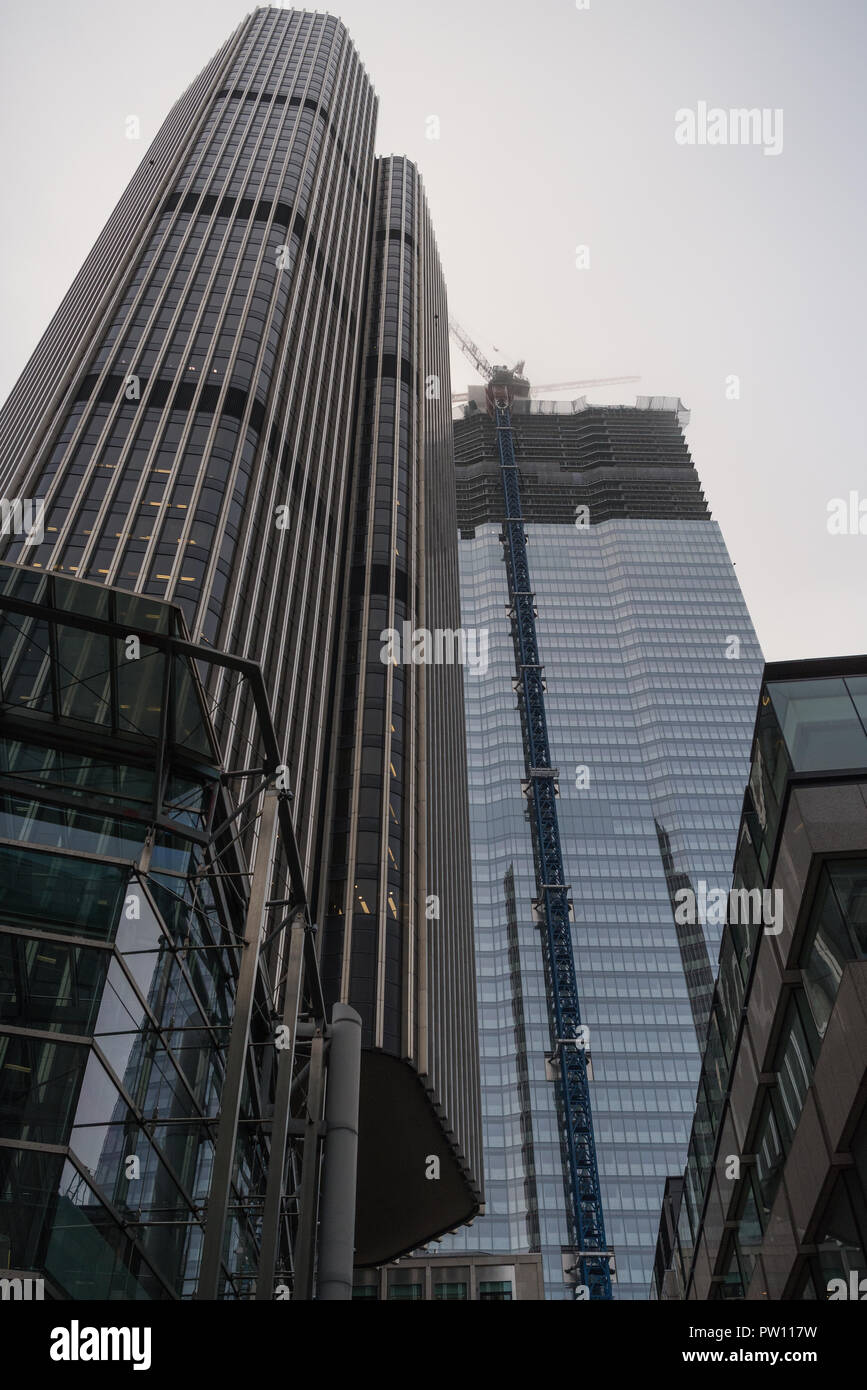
(462, 1278)
(773, 1203)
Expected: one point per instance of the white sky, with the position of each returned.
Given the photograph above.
(556, 129)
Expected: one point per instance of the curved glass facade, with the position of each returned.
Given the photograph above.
(649, 724)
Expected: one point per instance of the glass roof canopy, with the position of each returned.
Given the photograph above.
(78, 654)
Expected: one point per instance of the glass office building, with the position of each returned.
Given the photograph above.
(773, 1199)
(118, 957)
(649, 704)
(230, 413)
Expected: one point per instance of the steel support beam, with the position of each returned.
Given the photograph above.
(239, 1040)
(280, 1121)
(305, 1251)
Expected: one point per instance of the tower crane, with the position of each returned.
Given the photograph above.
(474, 354)
(593, 1260)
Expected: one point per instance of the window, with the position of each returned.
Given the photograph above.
(495, 1291)
(819, 723)
(39, 1083)
(442, 1291)
(837, 933)
(794, 1072)
(841, 1238)
(770, 1158)
(59, 892)
(749, 1232)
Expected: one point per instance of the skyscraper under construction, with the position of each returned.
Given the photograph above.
(651, 670)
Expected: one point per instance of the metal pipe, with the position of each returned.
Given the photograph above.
(337, 1223)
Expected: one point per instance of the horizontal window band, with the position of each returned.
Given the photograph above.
(242, 209)
(185, 394)
(279, 99)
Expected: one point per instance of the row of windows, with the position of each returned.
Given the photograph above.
(836, 934)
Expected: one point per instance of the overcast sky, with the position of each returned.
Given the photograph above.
(557, 130)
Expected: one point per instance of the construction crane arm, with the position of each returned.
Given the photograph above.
(458, 396)
(576, 385)
(471, 350)
(474, 354)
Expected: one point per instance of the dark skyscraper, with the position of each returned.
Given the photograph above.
(201, 372)
(401, 834)
(241, 408)
(651, 668)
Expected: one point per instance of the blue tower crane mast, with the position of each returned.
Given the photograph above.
(552, 904)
